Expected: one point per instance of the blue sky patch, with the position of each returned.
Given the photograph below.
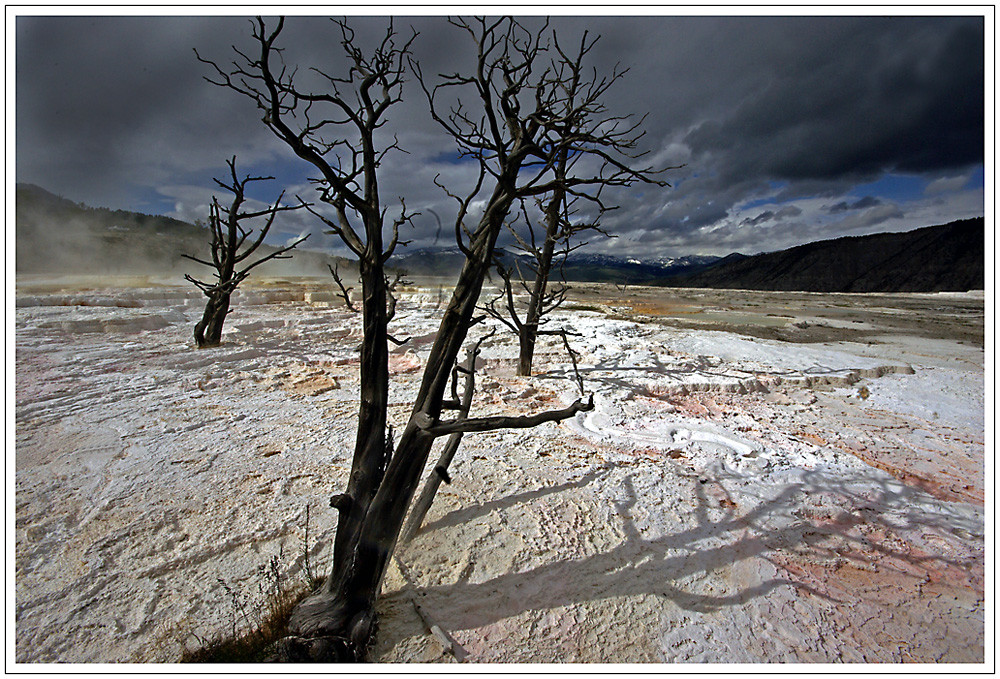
(898, 188)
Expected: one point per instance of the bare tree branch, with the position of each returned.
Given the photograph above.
(345, 293)
(463, 405)
(481, 424)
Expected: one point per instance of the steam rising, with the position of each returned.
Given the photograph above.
(57, 236)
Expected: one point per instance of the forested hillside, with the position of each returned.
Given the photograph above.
(950, 257)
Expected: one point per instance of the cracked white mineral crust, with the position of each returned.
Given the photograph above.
(732, 498)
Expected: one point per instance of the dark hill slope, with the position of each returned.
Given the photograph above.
(950, 257)
(56, 235)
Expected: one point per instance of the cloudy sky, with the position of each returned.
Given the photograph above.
(789, 129)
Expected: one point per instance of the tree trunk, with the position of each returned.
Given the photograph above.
(370, 444)
(536, 301)
(208, 331)
(338, 609)
(526, 338)
(342, 611)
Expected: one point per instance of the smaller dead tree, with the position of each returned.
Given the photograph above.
(530, 276)
(231, 249)
(583, 132)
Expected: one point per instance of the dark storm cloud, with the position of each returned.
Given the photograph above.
(772, 215)
(844, 206)
(105, 105)
(765, 216)
(855, 97)
(765, 114)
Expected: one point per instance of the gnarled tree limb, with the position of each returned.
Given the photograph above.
(480, 424)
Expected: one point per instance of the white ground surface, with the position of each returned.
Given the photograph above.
(729, 500)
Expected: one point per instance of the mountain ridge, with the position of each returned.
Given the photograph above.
(947, 257)
(578, 267)
(55, 234)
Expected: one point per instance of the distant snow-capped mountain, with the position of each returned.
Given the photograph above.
(579, 266)
(671, 263)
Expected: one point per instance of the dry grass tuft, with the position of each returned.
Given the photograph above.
(254, 627)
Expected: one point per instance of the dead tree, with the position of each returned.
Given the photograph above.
(230, 250)
(532, 278)
(583, 128)
(334, 130)
(509, 145)
(511, 134)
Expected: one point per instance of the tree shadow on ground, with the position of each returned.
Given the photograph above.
(720, 537)
(467, 514)
(617, 374)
